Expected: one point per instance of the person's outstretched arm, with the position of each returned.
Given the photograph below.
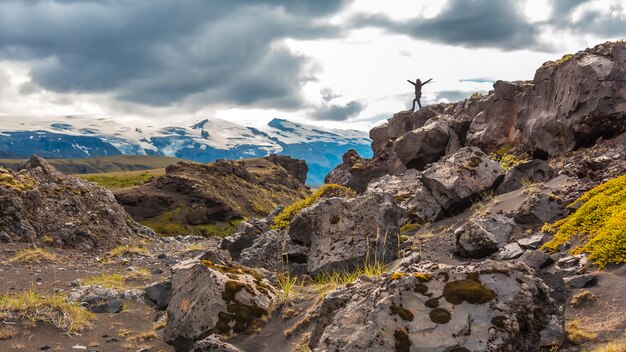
(430, 79)
(410, 82)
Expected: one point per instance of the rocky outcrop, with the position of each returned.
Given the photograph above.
(38, 201)
(569, 104)
(483, 236)
(345, 233)
(533, 171)
(426, 145)
(435, 307)
(194, 195)
(458, 179)
(212, 298)
(410, 193)
(356, 172)
(247, 232)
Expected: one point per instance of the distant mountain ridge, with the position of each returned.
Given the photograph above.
(202, 141)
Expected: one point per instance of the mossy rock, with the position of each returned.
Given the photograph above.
(440, 316)
(402, 312)
(467, 290)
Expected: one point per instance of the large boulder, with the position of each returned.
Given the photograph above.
(425, 145)
(211, 298)
(247, 232)
(274, 250)
(458, 179)
(39, 201)
(410, 194)
(345, 233)
(533, 171)
(482, 236)
(494, 126)
(433, 307)
(576, 100)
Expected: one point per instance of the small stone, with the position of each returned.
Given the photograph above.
(4, 237)
(157, 271)
(532, 242)
(510, 251)
(581, 281)
(536, 259)
(45, 347)
(161, 256)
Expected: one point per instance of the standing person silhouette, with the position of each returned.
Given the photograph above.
(418, 92)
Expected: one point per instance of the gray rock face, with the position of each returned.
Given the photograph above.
(536, 259)
(573, 103)
(483, 236)
(410, 193)
(532, 242)
(244, 237)
(344, 233)
(510, 251)
(100, 299)
(213, 344)
(539, 208)
(159, 293)
(266, 251)
(459, 178)
(39, 200)
(434, 307)
(210, 298)
(581, 281)
(532, 171)
(425, 145)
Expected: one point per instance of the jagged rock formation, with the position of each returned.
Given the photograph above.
(568, 105)
(343, 234)
(202, 194)
(40, 204)
(208, 298)
(434, 307)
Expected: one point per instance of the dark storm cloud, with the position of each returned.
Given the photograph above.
(339, 112)
(591, 21)
(328, 94)
(161, 52)
(476, 23)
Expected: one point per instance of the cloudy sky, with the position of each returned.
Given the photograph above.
(327, 62)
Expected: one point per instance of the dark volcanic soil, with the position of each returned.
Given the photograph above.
(109, 332)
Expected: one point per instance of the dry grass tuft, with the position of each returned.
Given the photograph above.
(127, 250)
(576, 334)
(115, 281)
(616, 346)
(34, 256)
(583, 298)
(144, 336)
(54, 309)
(7, 332)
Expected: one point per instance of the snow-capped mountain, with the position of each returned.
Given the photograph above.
(202, 141)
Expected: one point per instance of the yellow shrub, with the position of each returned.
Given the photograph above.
(283, 219)
(600, 223)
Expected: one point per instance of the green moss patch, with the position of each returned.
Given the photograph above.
(440, 316)
(172, 222)
(599, 223)
(403, 344)
(402, 312)
(283, 219)
(470, 291)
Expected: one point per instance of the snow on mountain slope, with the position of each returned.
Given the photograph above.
(203, 141)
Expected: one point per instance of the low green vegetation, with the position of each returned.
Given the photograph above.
(17, 183)
(283, 219)
(127, 250)
(172, 223)
(576, 334)
(115, 281)
(615, 346)
(54, 309)
(116, 180)
(564, 59)
(599, 223)
(505, 158)
(477, 95)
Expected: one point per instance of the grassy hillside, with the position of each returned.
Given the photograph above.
(117, 163)
(122, 179)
